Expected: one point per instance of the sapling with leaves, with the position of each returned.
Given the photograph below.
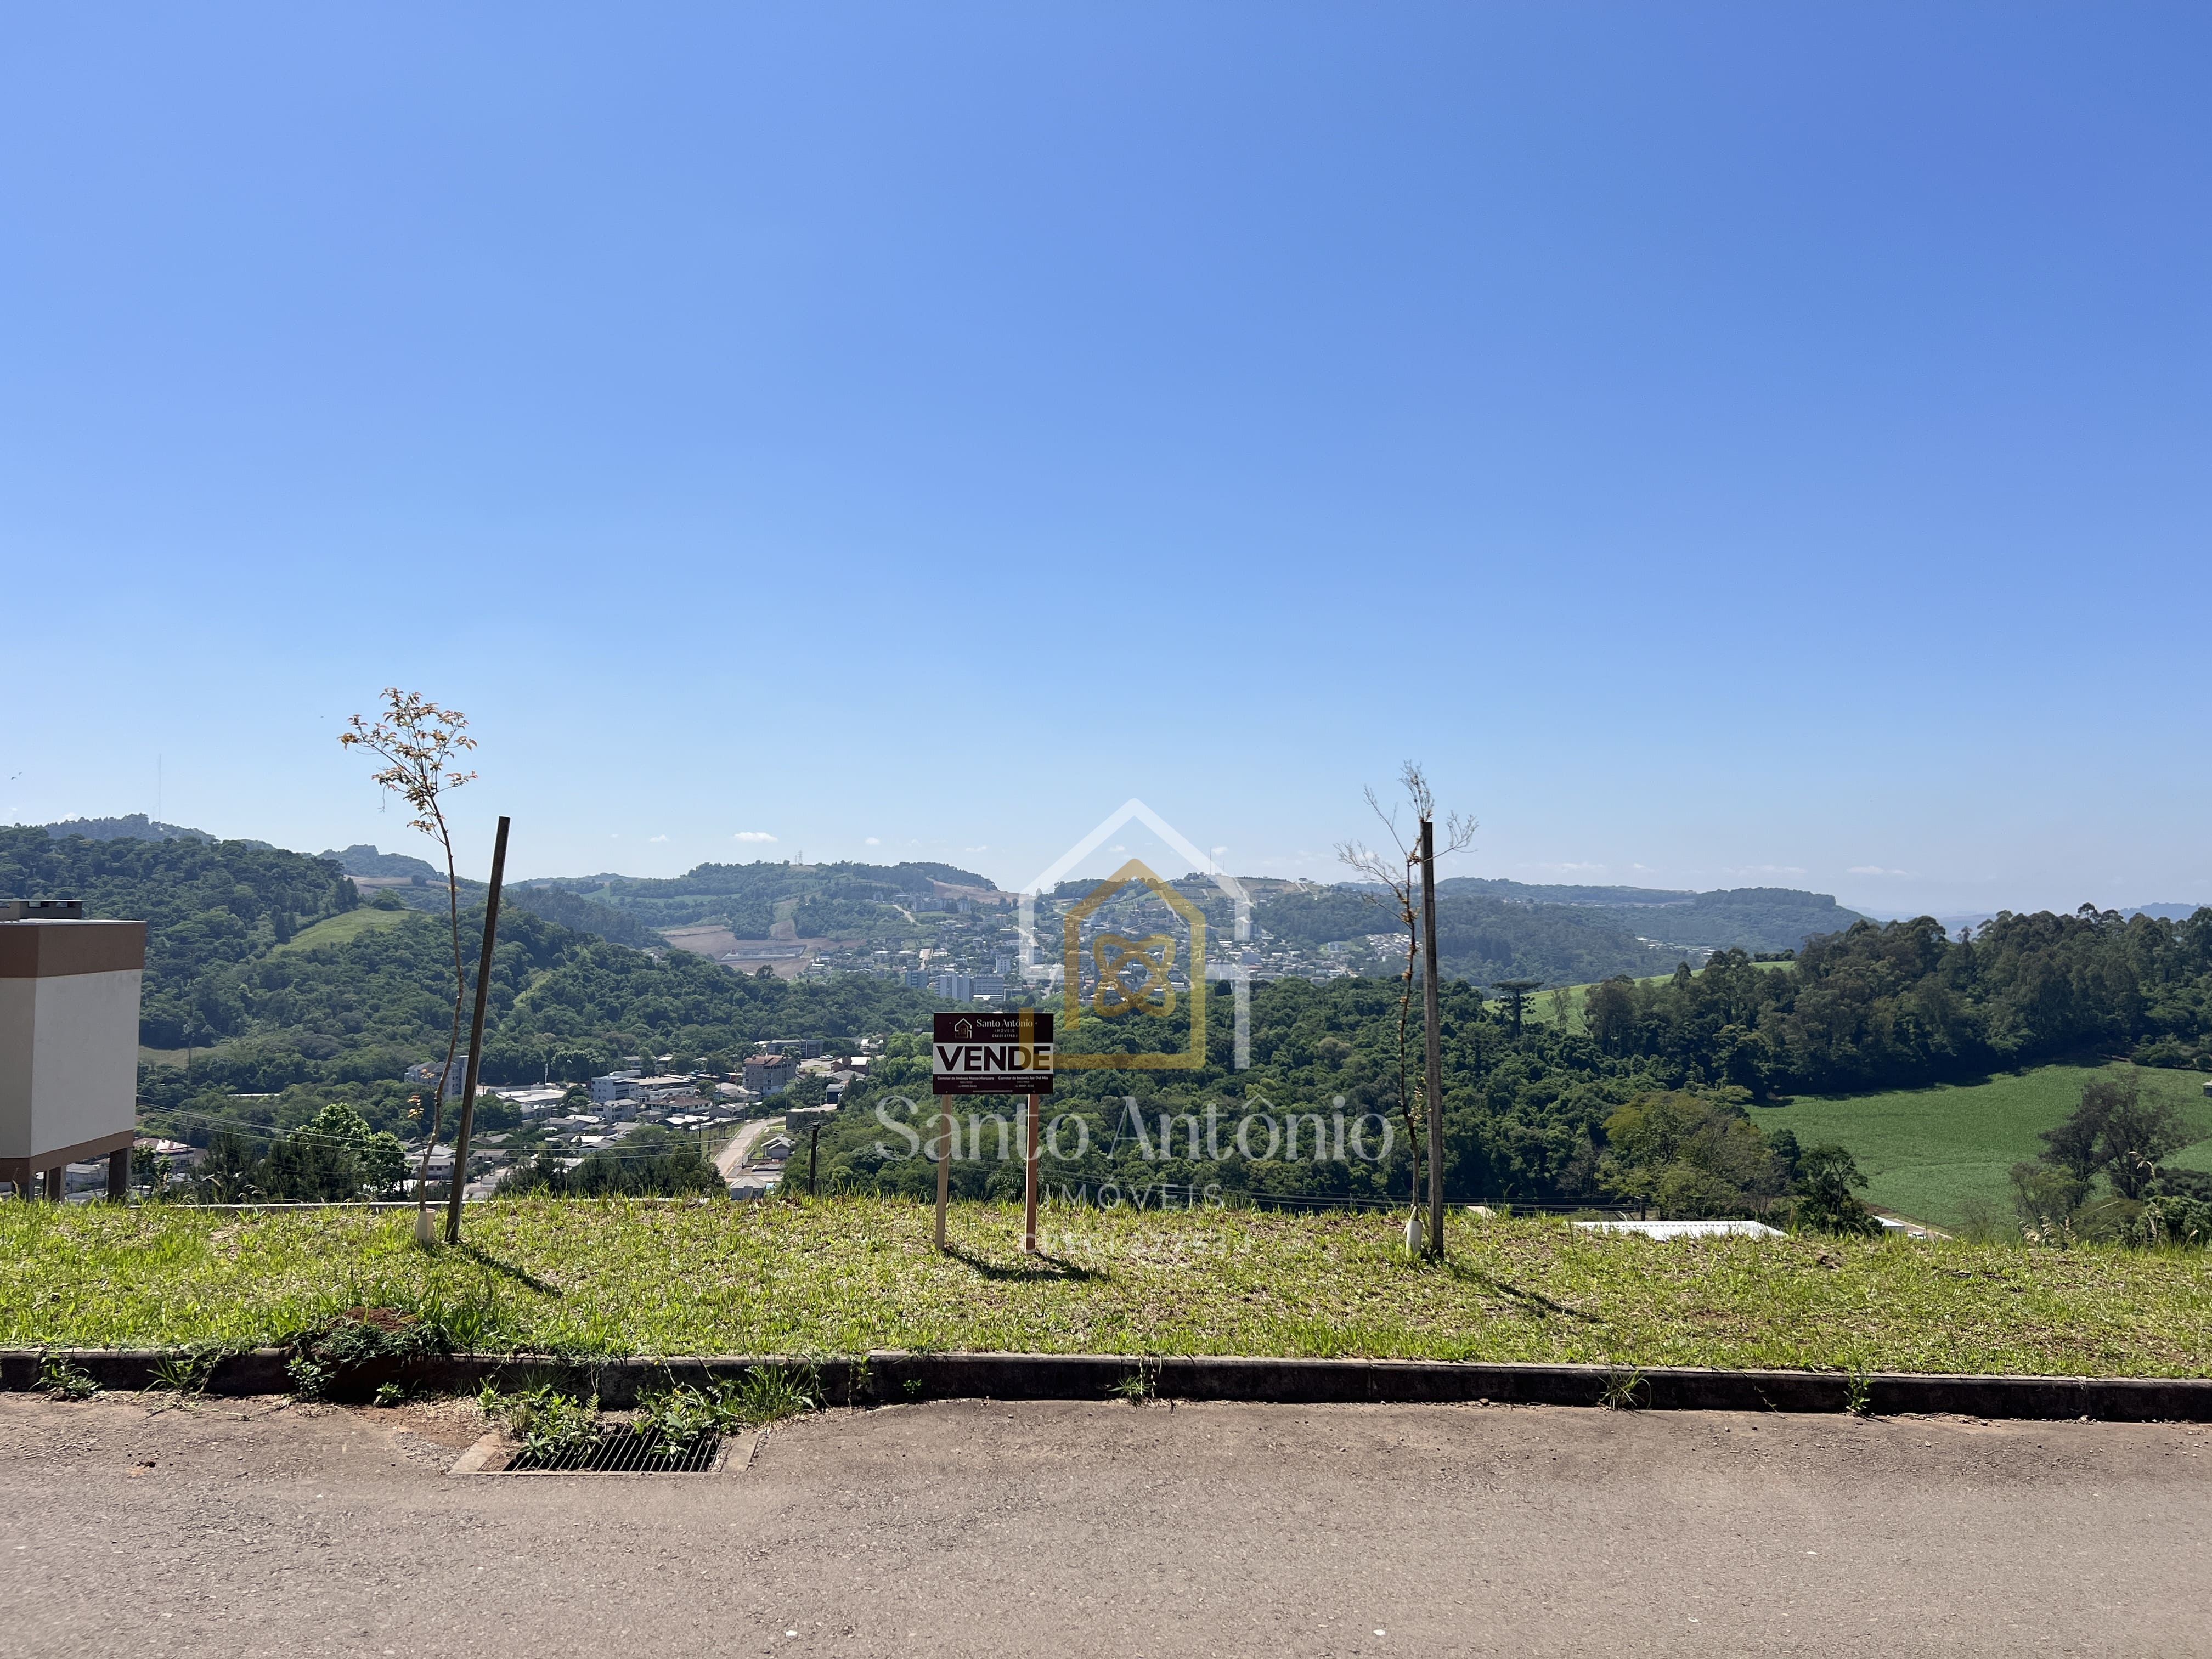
(420, 745)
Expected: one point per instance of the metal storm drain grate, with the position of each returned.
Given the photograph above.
(620, 1451)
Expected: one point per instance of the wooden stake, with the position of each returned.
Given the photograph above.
(1029, 1182)
(944, 1163)
(1431, 1002)
(460, 1177)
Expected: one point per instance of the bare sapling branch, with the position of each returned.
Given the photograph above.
(421, 743)
(1395, 870)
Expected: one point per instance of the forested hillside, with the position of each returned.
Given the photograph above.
(427, 891)
(208, 907)
(1741, 919)
(1483, 938)
(377, 1003)
(561, 1000)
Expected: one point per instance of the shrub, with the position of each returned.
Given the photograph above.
(2172, 1220)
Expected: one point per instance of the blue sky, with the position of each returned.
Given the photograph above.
(1729, 445)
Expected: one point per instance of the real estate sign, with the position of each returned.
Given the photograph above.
(991, 1054)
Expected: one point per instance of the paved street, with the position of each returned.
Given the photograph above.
(732, 1158)
(970, 1527)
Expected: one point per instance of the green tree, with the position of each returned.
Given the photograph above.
(2117, 1132)
(1827, 1180)
(1688, 1156)
(379, 1162)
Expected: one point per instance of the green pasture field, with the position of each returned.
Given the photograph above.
(346, 925)
(840, 1276)
(1931, 1151)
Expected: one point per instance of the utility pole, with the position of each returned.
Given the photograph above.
(1433, 1018)
(460, 1177)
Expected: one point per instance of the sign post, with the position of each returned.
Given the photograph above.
(1029, 1184)
(1008, 1053)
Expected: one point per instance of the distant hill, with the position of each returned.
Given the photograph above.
(1742, 918)
(365, 1008)
(545, 899)
(210, 906)
(136, 826)
(823, 899)
(585, 916)
(363, 860)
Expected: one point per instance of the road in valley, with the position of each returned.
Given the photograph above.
(732, 1157)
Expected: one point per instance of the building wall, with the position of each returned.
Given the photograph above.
(69, 1058)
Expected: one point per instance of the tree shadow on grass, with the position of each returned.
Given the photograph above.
(1536, 1301)
(1029, 1268)
(523, 1276)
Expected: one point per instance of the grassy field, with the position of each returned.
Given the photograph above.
(346, 925)
(842, 1276)
(1930, 1152)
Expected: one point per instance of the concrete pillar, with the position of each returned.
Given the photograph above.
(118, 1174)
(56, 1179)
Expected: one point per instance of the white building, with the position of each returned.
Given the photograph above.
(615, 1088)
(69, 1042)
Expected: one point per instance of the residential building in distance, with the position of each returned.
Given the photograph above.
(617, 1087)
(770, 1074)
(955, 986)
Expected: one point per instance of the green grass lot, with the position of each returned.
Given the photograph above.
(1930, 1152)
(840, 1276)
(346, 925)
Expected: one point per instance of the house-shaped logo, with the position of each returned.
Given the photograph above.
(1132, 976)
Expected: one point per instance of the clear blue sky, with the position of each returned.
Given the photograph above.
(1729, 445)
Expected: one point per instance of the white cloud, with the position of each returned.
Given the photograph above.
(656, 838)
(1220, 849)
(875, 841)
(1568, 869)
(1763, 870)
(975, 849)
(752, 835)
(1874, 870)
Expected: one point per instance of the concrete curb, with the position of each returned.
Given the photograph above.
(888, 1377)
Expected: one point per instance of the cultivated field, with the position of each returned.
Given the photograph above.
(1932, 1152)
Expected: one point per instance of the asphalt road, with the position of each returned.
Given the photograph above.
(970, 1527)
(732, 1158)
